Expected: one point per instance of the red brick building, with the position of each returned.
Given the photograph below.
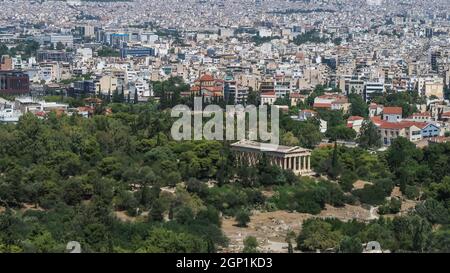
(14, 83)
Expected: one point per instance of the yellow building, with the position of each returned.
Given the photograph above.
(434, 89)
(107, 84)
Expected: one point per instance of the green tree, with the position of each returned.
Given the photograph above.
(160, 240)
(10, 235)
(400, 151)
(136, 97)
(252, 98)
(381, 233)
(317, 234)
(43, 242)
(156, 211)
(434, 211)
(250, 245)
(242, 218)
(347, 180)
(390, 207)
(289, 139)
(440, 241)
(335, 166)
(358, 106)
(309, 134)
(60, 46)
(341, 132)
(441, 191)
(73, 191)
(370, 137)
(350, 245)
(412, 233)
(117, 97)
(289, 237)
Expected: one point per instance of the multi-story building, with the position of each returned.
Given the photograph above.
(373, 89)
(84, 87)
(137, 52)
(268, 98)
(107, 84)
(88, 31)
(6, 63)
(55, 39)
(356, 87)
(14, 82)
(392, 114)
(54, 56)
(391, 130)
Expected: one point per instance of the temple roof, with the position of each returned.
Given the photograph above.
(249, 144)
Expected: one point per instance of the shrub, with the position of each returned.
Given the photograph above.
(347, 179)
(412, 192)
(391, 207)
(433, 211)
(250, 245)
(242, 218)
(318, 234)
(350, 245)
(375, 194)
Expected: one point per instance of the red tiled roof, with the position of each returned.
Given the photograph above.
(322, 105)
(402, 124)
(85, 109)
(376, 119)
(446, 114)
(206, 78)
(270, 93)
(330, 97)
(392, 110)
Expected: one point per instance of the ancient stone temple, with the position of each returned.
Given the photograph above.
(287, 158)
